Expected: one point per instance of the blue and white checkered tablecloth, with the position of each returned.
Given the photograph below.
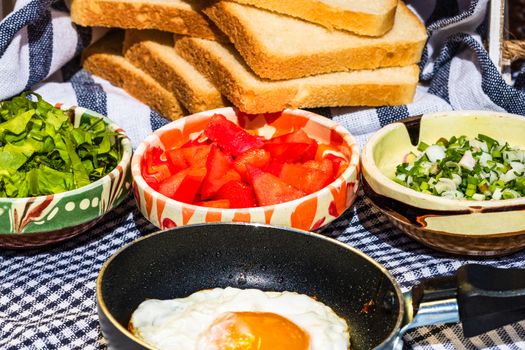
(47, 297)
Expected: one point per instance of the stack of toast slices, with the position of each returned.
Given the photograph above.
(261, 56)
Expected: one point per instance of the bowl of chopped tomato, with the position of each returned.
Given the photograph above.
(293, 168)
(454, 181)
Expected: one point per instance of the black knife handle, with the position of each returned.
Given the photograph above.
(489, 297)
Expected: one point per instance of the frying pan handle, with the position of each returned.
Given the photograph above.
(489, 297)
(483, 298)
(432, 301)
(438, 288)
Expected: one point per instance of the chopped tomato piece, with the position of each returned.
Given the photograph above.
(219, 172)
(257, 157)
(239, 194)
(176, 158)
(155, 155)
(332, 152)
(305, 178)
(324, 165)
(287, 152)
(162, 172)
(310, 152)
(196, 155)
(230, 137)
(269, 189)
(199, 141)
(339, 164)
(218, 203)
(169, 186)
(155, 167)
(299, 136)
(184, 185)
(274, 167)
(227, 167)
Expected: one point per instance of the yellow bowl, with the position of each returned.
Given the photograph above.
(468, 227)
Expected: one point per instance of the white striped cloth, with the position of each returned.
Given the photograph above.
(47, 298)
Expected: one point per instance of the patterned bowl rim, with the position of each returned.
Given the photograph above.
(350, 141)
(391, 189)
(491, 236)
(123, 163)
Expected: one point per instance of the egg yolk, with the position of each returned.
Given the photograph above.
(255, 331)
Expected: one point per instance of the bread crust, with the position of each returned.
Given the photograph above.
(273, 64)
(359, 22)
(154, 53)
(104, 59)
(254, 95)
(146, 14)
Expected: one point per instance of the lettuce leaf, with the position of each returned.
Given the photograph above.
(41, 152)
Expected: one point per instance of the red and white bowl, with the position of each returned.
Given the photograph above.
(307, 213)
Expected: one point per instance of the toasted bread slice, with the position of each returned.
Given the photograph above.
(251, 94)
(373, 18)
(105, 59)
(282, 47)
(176, 16)
(154, 53)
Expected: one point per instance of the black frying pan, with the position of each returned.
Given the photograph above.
(181, 261)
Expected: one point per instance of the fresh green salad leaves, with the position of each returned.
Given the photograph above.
(41, 152)
(461, 168)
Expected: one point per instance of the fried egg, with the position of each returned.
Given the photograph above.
(240, 319)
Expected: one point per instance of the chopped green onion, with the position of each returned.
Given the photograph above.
(422, 146)
(488, 140)
(476, 169)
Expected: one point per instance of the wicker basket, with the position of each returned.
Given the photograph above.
(507, 34)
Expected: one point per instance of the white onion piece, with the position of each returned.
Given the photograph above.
(435, 153)
(454, 165)
(484, 158)
(478, 145)
(497, 194)
(517, 166)
(457, 179)
(445, 185)
(522, 156)
(510, 156)
(425, 166)
(478, 197)
(467, 161)
(401, 177)
(452, 194)
(509, 176)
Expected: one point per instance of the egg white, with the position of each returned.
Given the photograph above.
(179, 323)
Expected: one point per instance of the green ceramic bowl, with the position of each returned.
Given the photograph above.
(38, 221)
(457, 226)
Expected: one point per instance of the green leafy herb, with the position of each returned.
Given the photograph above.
(41, 152)
(478, 169)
